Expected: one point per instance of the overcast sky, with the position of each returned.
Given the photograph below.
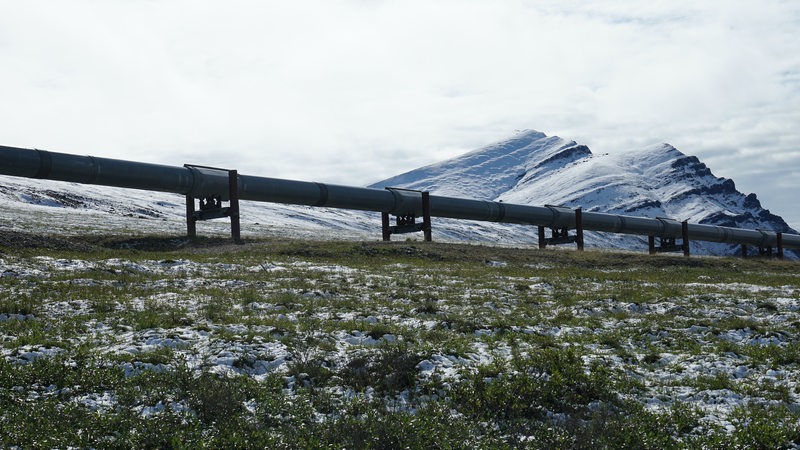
(354, 91)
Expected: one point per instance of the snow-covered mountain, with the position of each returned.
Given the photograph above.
(530, 168)
(657, 181)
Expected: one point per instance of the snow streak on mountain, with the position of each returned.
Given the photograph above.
(657, 181)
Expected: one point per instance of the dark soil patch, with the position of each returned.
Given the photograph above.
(166, 243)
(17, 239)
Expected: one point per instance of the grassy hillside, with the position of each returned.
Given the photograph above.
(160, 342)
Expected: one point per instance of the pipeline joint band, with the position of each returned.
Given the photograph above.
(501, 212)
(323, 194)
(94, 171)
(45, 164)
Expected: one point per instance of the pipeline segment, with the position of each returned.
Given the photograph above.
(202, 182)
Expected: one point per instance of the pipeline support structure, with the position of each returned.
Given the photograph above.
(211, 204)
(408, 223)
(199, 182)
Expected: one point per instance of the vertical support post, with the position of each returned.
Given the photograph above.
(426, 215)
(579, 228)
(685, 233)
(744, 250)
(387, 236)
(542, 238)
(233, 209)
(191, 223)
(779, 237)
(651, 244)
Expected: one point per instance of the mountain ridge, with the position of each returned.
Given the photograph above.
(654, 181)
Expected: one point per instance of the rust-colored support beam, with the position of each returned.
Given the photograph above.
(233, 209)
(426, 216)
(651, 244)
(387, 235)
(191, 221)
(542, 238)
(579, 228)
(685, 236)
(779, 237)
(744, 250)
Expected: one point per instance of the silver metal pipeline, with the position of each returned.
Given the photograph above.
(203, 182)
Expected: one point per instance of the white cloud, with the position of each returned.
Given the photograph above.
(351, 91)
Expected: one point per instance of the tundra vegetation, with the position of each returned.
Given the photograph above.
(163, 342)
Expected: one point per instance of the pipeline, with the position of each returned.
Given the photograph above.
(202, 182)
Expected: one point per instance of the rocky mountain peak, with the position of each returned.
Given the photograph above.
(655, 181)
